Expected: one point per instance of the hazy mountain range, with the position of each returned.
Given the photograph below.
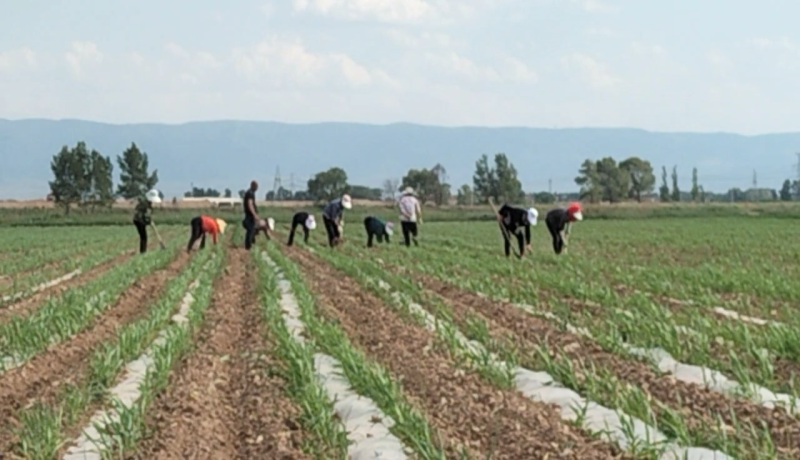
(228, 154)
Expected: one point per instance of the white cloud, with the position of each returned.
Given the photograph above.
(783, 44)
(511, 70)
(719, 61)
(425, 39)
(595, 6)
(520, 72)
(17, 59)
(591, 71)
(267, 9)
(176, 50)
(602, 32)
(81, 55)
(642, 49)
(393, 11)
(290, 63)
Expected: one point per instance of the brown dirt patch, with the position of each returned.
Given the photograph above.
(696, 403)
(221, 403)
(463, 408)
(43, 376)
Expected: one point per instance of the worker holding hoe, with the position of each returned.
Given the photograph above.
(559, 222)
(516, 221)
(142, 216)
(410, 216)
(304, 220)
(333, 218)
(376, 227)
(203, 224)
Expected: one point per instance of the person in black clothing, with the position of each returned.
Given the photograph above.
(376, 227)
(142, 216)
(251, 218)
(559, 221)
(513, 221)
(305, 220)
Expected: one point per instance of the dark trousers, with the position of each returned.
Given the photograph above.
(331, 229)
(507, 241)
(291, 233)
(142, 229)
(558, 242)
(197, 234)
(249, 224)
(409, 231)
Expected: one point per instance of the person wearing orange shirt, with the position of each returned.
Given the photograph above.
(205, 224)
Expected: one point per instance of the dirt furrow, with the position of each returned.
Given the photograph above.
(28, 304)
(221, 403)
(43, 376)
(697, 404)
(464, 409)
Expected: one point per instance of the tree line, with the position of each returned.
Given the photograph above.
(84, 178)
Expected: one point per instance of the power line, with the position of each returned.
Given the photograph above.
(277, 184)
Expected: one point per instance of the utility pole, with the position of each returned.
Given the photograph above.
(291, 184)
(550, 186)
(755, 179)
(277, 184)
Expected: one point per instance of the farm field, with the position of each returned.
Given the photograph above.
(649, 339)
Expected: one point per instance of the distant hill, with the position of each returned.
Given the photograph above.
(222, 154)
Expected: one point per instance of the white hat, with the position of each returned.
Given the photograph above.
(408, 191)
(153, 196)
(311, 223)
(533, 215)
(389, 227)
(346, 201)
(221, 224)
(271, 223)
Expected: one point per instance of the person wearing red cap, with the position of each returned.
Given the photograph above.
(559, 221)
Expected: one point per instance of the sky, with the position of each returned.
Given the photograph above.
(665, 66)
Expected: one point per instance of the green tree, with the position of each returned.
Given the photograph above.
(442, 194)
(786, 191)
(241, 193)
(695, 192)
(327, 185)
(134, 177)
(663, 191)
(362, 192)
(102, 183)
(425, 183)
(390, 187)
(501, 182)
(67, 176)
(484, 181)
(642, 179)
(544, 198)
(228, 193)
(676, 192)
(464, 196)
(614, 182)
(589, 181)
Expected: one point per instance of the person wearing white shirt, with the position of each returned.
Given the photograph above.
(410, 216)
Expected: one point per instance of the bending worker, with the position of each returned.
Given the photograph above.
(410, 215)
(142, 216)
(376, 227)
(513, 221)
(559, 221)
(267, 226)
(203, 224)
(333, 217)
(305, 220)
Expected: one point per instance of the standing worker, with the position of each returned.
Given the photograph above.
(142, 216)
(376, 227)
(410, 214)
(305, 220)
(513, 221)
(559, 221)
(251, 218)
(333, 217)
(203, 224)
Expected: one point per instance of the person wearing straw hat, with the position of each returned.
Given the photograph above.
(516, 221)
(203, 224)
(333, 218)
(142, 216)
(304, 220)
(559, 222)
(376, 227)
(410, 215)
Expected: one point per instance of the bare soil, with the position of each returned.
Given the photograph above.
(44, 375)
(464, 409)
(221, 402)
